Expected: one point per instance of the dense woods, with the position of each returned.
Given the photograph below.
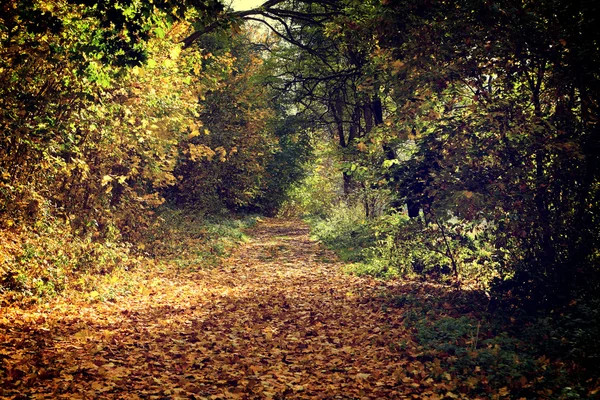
(446, 142)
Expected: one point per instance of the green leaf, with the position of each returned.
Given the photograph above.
(160, 33)
(389, 163)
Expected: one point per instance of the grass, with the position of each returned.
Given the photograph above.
(40, 263)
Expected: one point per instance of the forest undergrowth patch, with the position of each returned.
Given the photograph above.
(459, 335)
(468, 333)
(49, 259)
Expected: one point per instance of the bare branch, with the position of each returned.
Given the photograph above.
(269, 11)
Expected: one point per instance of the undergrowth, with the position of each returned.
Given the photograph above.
(395, 245)
(492, 352)
(48, 258)
(344, 230)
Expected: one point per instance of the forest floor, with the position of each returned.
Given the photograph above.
(277, 319)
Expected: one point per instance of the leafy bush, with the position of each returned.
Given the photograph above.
(396, 245)
(344, 230)
(44, 261)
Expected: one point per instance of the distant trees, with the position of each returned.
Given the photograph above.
(223, 163)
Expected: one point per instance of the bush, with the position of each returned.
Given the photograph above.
(44, 261)
(346, 231)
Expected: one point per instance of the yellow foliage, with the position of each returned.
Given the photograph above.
(199, 151)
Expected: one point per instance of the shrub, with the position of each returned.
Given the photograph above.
(346, 231)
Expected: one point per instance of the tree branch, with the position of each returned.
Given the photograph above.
(268, 10)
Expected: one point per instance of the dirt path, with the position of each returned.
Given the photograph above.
(280, 320)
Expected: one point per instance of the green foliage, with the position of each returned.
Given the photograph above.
(456, 337)
(223, 163)
(45, 262)
(501, 357)
(395, 245)
(500, 136)
(287, 168)
(344, 230)
(569, 333)
(319, 192)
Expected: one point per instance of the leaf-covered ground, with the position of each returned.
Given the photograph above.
(277, 319)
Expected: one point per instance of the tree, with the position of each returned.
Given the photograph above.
(489, 95)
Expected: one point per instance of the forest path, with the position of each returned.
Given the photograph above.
(278, 320)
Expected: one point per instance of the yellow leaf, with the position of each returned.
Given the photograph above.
(106, 179)
(175, 52)
(83, 334)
